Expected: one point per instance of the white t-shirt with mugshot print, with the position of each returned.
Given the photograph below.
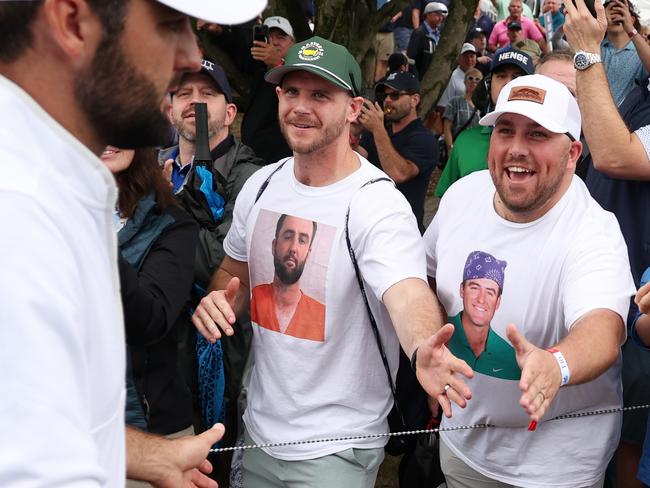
(306, 389)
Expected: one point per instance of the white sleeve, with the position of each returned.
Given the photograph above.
(643, 133)
(385, 237)
(45, 417)
(430, 241)
(597, 271)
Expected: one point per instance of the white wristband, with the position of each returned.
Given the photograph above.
(564, 367)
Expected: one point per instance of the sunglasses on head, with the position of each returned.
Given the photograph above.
(473, 78)
(394, 96)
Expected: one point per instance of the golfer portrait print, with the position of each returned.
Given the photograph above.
(474, 339)
(289, 257)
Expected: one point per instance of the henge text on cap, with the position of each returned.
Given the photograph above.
(209, 65)
(513, 55)
(527, 94)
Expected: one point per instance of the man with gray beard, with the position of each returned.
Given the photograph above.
(233, 162)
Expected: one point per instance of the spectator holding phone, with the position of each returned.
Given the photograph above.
(260, 128)
(625, 53)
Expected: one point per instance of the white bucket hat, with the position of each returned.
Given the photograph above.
(218, 11)
(542, 99)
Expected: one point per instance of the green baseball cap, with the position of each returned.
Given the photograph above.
(324, 58)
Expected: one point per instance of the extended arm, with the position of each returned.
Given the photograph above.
(171, 463)
(228, 298)
(615, 151)
(590, 348)
(418, 320)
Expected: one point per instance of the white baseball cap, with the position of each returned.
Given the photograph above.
(437, 7)
(218, 11)
(277, 22)
(542, 99)
(467, 47)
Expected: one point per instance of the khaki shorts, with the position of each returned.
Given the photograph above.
(351, 468)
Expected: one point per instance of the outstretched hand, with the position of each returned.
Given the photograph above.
(215, 312)
(540, 374)
(190, 465)
(436, 368)
(582, 30)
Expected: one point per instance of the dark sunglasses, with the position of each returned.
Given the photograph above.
(473, 78)
(394, 96)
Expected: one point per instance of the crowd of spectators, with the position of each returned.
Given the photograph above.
(504, 41)
(545, 124)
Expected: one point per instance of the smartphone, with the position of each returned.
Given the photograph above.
(261, 33)
(590, 7)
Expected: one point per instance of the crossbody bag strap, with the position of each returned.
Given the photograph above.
(268, 179)
(373, 322)
(467, 122)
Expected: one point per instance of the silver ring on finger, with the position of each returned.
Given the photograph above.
(447, 386)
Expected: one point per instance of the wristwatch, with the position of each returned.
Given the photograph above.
(582, 60)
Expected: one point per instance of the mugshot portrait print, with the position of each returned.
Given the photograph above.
(288, 272)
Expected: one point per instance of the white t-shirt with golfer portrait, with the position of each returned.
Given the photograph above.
(559, 267)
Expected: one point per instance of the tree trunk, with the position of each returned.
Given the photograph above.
(454, 32)
(353, 23)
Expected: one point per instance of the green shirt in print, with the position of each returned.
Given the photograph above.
(498, 360)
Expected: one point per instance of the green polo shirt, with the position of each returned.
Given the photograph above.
(498, 360)
(469, 154)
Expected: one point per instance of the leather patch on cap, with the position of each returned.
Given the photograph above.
(528, 94)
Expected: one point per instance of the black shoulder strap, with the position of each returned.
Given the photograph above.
(267, 180)
(467, 122)
(373, 322)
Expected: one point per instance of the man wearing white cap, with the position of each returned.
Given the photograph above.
(426, 37)
(564, 308)
(456, 85)
(76, 75)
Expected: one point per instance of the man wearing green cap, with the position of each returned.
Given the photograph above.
(311, 388)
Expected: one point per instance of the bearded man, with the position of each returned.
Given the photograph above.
(304, 387)
(282, 305)
(407, 151)
(75, 76)
(233, 161)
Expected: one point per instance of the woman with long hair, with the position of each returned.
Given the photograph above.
(157, 242)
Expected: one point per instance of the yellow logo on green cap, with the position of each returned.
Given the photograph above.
(311, 51)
